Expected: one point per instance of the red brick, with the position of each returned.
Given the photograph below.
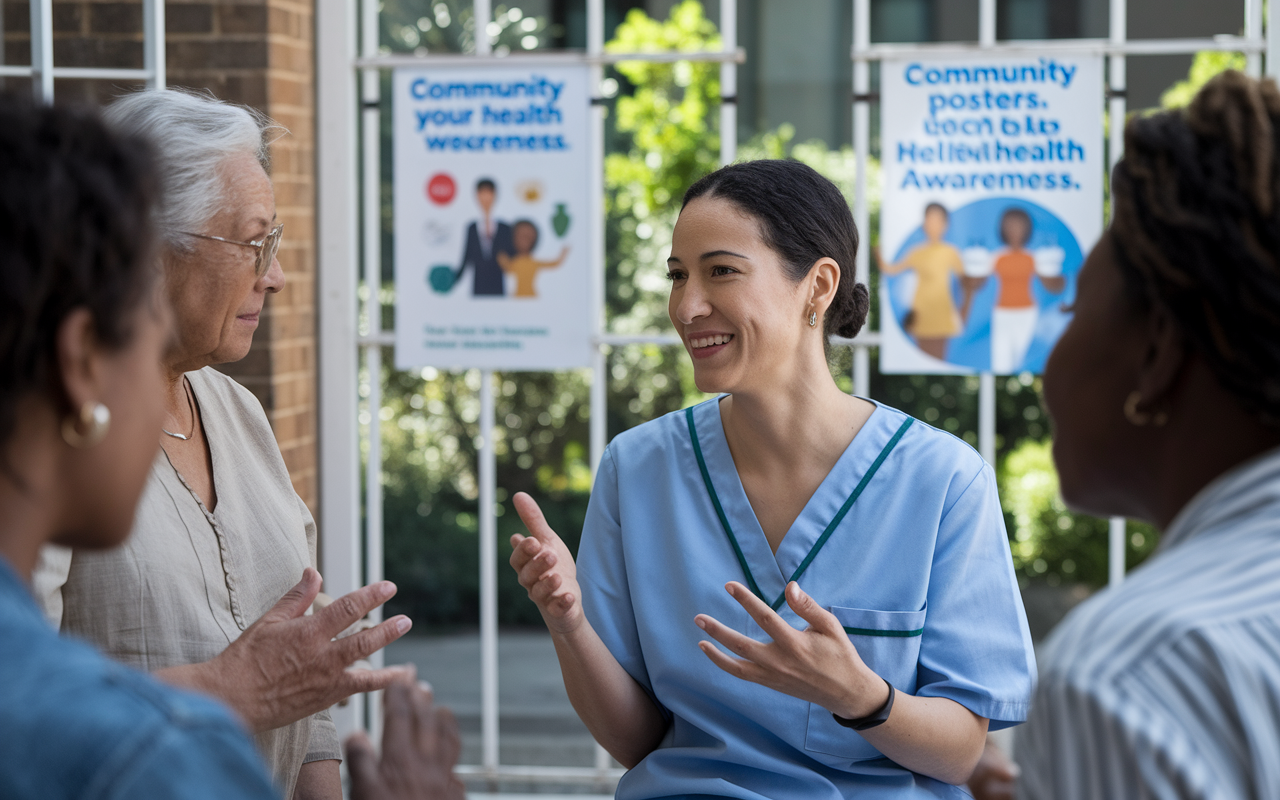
(184, 18)
(115, 17)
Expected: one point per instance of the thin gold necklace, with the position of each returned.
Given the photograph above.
(190, 406)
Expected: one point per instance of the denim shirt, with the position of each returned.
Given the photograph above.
(74, 724)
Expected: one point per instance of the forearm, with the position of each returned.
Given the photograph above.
(933, 736)
(206, 678)
(617, 711)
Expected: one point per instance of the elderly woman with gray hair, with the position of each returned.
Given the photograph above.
(210, 590)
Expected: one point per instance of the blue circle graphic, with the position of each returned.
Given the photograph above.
(978, 225)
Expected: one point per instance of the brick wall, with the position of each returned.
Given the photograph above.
(256, 53)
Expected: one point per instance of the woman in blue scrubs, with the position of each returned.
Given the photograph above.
(784, 591)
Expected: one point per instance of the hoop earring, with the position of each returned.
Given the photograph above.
(813, 319)
(96, 420)
(1141, 418)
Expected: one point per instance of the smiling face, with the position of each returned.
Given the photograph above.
(215, 295)
(739, 315)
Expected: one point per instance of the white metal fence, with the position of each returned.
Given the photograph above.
(347, 150)
(43, 71)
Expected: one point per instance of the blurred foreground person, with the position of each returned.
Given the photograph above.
(1165, 398)
(82, 330)
(221, 536)
(83, 325)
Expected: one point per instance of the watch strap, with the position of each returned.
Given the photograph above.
(877, 717)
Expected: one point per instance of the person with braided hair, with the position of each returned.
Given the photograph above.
(1165, 398)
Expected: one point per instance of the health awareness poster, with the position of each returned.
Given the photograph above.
(993, 177)
(491, 208)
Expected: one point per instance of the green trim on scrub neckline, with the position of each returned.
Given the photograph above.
(882, 632)
(826, 534)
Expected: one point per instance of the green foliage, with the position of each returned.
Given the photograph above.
(1049, 541)
(448, 26)
(1206, 65)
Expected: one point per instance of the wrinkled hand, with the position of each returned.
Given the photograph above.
(287, 666)
(995, 775)
(546, 569)
(819, 664)
(420, 746)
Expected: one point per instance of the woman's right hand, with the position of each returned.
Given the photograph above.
(288, 665)
(546, 569)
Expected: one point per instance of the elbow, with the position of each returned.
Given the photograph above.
(962, 767)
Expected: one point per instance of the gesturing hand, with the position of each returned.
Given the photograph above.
(546, 569)
(287, 666)
(819, 664)
(420, 746)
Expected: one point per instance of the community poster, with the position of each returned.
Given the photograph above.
(993, 172)
(491, 209)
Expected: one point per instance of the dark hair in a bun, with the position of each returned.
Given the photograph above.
(803, 218)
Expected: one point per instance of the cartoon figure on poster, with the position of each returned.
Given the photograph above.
(984, 287)
(487, 243)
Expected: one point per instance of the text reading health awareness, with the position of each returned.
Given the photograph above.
(990, 128)
(496, 116)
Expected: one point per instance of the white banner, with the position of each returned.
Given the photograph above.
(993, 174)
(491, 217)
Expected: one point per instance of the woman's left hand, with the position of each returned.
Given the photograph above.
(818, 664)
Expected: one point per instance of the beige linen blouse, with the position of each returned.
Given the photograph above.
(187, 582)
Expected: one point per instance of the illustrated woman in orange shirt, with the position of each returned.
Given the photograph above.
(1013, 320)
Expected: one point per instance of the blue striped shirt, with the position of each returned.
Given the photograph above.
(1169, 684)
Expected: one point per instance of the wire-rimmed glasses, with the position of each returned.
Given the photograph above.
(266, 248)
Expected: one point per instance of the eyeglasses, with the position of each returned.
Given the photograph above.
(266, 248)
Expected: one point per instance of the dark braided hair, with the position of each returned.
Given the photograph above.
(75, 232)
(1197, 229)
(803, 217)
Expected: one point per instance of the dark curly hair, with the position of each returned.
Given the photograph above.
(75, 232)
(803, 217)
(1197, 229)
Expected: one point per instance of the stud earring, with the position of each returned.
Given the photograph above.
(95, 418)
(1142, 418)
(813, 319)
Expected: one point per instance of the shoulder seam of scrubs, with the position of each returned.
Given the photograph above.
(882, 632)
(826, 534)
(715, 501)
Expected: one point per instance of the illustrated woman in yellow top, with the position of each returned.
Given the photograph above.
(933, 318)
(523, 265)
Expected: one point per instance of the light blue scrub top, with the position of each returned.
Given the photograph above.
(918, 571)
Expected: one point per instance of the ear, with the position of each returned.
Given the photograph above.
(824, 279)
(79, 358)
(1163, 363)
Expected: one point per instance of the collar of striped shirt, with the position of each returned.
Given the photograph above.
(1237, 491)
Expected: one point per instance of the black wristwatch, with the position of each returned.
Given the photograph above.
(877, 717)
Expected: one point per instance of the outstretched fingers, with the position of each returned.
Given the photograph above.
(360, 645)
(736, 642)
(765, 617)
(297, 600)
(819, 619)
(353, 606)
(359, 681)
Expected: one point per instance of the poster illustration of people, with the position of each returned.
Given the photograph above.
(993, 174)
(491, 207)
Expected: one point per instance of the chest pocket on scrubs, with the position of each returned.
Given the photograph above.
(889, 643)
